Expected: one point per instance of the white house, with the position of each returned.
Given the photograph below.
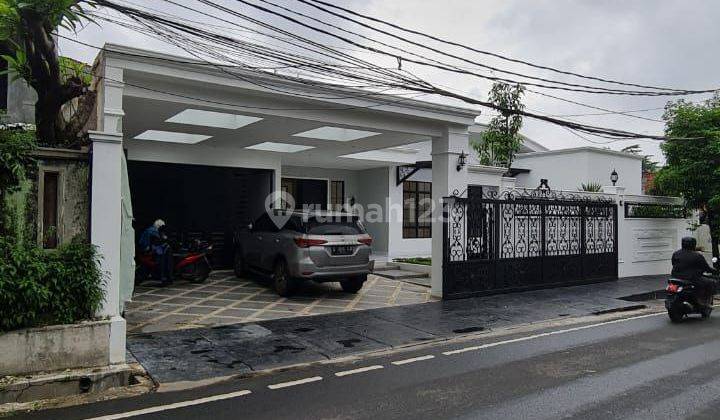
(204, 148)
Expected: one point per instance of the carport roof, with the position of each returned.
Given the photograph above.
(320, 125)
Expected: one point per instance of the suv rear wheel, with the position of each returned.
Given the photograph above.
(354, 284)
(284, 285)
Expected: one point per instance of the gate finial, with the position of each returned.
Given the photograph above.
(543, 185)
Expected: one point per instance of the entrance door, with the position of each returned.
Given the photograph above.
(308, 193)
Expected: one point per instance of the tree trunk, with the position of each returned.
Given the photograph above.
(47, 110)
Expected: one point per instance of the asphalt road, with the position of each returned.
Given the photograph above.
(637, 367)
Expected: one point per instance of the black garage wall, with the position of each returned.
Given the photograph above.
(198, 200)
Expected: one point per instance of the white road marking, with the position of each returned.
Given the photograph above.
(547, 334)
(173, 406)
(360, 370)
(293, 383)
(412, 360)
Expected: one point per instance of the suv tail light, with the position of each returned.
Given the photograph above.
(366, 241)
(307, 243)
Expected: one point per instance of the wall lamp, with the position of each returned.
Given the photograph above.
(461, 161)
(614, 177)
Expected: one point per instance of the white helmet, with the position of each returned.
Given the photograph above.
(159, 223)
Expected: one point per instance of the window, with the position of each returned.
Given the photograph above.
(417, 208)
(337, 194)
(310, 193)
(50, 210)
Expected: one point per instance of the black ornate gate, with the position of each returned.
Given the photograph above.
(527, 239)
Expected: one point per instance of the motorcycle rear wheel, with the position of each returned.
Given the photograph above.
(675, 315)
(199, 273)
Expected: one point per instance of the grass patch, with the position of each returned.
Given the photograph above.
(415, 260)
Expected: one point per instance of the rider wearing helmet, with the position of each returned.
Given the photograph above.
(688, 264)
(153, 240)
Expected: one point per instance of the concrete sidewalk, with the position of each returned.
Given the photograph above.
(205, 353)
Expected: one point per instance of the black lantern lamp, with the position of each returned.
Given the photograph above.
(461, 161)
(614, 177)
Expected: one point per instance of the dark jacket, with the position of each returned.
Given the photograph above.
(689, 265)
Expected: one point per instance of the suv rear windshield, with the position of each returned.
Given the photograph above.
(330, 226)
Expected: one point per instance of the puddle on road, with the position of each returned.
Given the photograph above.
(349, 343)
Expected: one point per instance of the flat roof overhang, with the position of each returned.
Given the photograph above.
(157, 88)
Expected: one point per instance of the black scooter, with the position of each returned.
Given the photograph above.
(683, 299)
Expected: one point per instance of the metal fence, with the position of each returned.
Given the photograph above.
(521, 240)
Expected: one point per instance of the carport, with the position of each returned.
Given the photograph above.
(198, 201)
(204, 147)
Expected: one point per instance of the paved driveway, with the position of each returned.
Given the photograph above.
(224, 299)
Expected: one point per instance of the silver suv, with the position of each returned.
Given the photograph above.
(290, 246)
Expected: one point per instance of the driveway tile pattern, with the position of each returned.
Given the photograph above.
(202, 353)
(224, 299)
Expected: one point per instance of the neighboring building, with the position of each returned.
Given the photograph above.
(566, 169)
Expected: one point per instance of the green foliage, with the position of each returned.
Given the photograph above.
(693, 164)
(590, 187)
(75, 69)
(16, 147)
(38, 287)
(28, 45)
(68, 14)
(501, 141)
(648, 165)
(16, 161)
(657, 211)
(415, 260)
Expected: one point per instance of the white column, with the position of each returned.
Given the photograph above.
(446, 180)
(110, 99)
(507, 183)
(105, 205)
(625, 238)
(105, 222)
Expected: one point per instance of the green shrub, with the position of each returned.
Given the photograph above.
(415, 260)
(39, 287)
(590, 187)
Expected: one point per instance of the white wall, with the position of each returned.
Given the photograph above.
(568, 168)
(372, 190)
(398, 246)
(646, 245)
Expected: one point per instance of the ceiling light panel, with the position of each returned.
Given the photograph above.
(382, 156)
(269, 146)
(336, 134)
(212, 119)
(171, 137)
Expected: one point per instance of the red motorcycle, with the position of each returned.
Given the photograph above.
(190, 262)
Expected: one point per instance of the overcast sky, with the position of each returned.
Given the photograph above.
(657, 42)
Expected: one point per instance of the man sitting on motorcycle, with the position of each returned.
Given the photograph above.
(153, 240)
(688, 264)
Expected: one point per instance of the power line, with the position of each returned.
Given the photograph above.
(582, 88)
(608, 111)
(396, 80)
(488, 53)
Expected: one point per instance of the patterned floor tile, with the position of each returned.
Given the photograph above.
(224, 299)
